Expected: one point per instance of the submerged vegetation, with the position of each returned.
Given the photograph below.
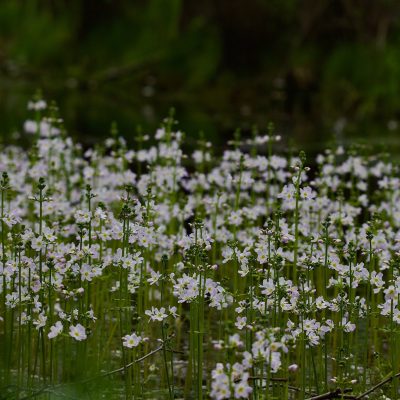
(151, 273)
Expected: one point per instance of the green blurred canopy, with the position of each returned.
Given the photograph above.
(318, 69)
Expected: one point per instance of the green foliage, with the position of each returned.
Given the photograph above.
(364, 80)
(291, 61)
(31, 35)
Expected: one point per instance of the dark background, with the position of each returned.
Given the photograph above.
(321, 70)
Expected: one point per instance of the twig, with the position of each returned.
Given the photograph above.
(282, 380)
(176, 351)
(262, 377)
(126, 366)
(333, 395)
(377, 386)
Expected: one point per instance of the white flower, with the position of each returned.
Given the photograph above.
(82, 217)
(172, 311)
(37, 105)
(55, 330)
(40, 322)
(234, 340)
(38, 243)
(86, 272)
(160, 133)
(240, 322)
(307, 193)
(11, 219)
(156, 314)
(293, 367)
(30, 126)
(242, 390)
(78, 332)
(155, 277)
(131, 340)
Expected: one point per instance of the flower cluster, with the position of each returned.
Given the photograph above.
(274, 263)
